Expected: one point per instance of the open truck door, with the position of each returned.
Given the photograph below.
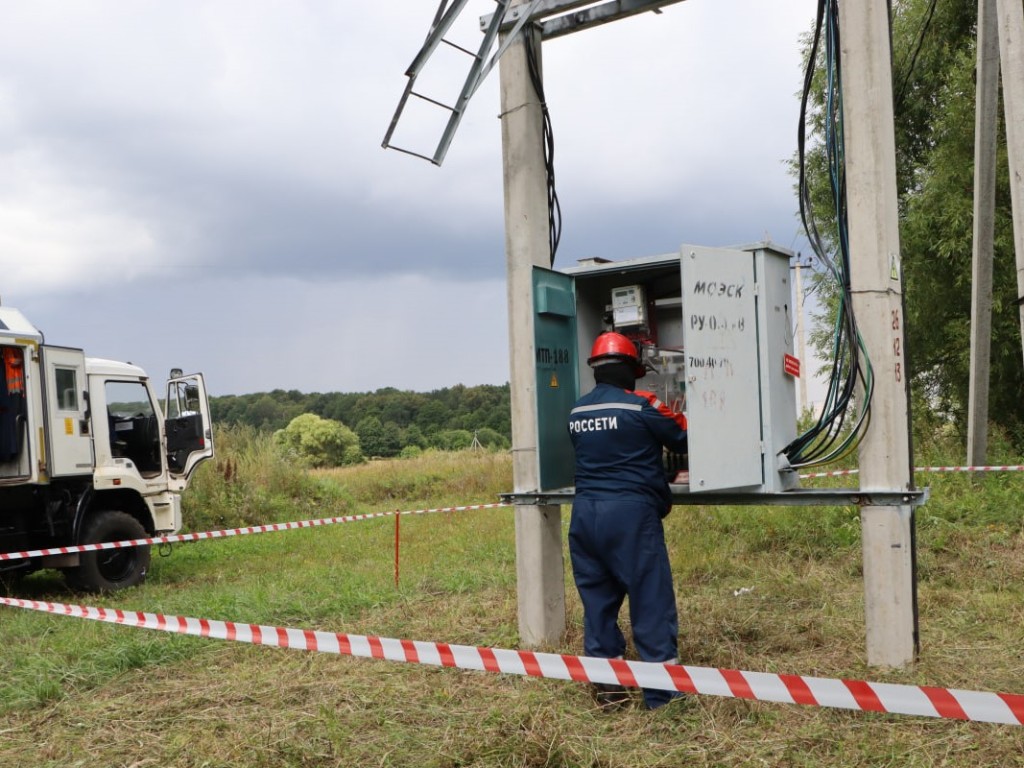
(187, 425)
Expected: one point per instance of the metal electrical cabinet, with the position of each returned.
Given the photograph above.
(714, 327)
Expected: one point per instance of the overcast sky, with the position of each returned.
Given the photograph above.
(201, 183)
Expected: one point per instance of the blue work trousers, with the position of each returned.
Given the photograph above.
(617, 547)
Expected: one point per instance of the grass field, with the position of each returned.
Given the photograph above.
(82, 693)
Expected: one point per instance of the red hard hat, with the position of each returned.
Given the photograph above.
(613, 347)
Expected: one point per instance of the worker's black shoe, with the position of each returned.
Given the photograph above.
(611, 697)
(678, 702)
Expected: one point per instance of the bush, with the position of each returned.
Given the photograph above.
(319, 442)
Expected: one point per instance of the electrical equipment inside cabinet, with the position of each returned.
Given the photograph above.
(634, 316)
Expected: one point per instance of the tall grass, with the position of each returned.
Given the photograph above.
(761, 588)
(432, 478)
(250, 482)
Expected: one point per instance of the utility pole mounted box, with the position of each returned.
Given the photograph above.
(714, 327)
(87, 455)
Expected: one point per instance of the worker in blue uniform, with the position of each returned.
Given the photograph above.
(616, 537)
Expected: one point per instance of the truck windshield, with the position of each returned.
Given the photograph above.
(133, 424)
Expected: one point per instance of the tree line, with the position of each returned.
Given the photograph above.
(388, 422)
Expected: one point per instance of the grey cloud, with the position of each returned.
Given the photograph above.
(246, 144)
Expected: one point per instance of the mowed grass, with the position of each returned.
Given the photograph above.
(763, 589)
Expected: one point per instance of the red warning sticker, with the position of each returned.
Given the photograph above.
(791, 365)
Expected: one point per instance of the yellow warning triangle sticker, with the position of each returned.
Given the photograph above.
(554, 380)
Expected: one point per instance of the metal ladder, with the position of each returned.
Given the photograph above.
(447, 12)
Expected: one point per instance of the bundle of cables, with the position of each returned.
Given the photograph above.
(833, 436)
(554, 208)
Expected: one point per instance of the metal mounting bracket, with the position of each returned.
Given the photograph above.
(798, 497)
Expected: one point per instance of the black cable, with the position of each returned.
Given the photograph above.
(801, 138)
(830, 438)
(917, 51)
(554, 208)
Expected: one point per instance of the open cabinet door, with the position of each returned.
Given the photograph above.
(723, 380)
(187, 425)
(557, 384)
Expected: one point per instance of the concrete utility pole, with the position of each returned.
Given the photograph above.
(539, 567)
(870, 150)
(1011, 53)
(985, 111)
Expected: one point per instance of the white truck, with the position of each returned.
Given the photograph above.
(87, 455)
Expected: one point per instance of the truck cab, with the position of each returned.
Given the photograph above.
(88, 453)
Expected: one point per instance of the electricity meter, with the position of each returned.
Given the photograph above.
(629, 307)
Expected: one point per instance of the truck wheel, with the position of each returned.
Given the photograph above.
(108, 570)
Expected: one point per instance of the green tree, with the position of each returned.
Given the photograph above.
(392, 439)
(452, 439)
(319, 442)
(405, 418)
(413, 437)
(432, 416)
(265, 413)
(379, 438)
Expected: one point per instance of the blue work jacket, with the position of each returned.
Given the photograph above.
(618, 435)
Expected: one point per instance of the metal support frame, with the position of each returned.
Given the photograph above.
(506, 22)
(570, 21)
(800, 497)
(478, 70)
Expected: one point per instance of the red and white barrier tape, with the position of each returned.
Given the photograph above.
(174, 538)
(923, 701)
(1004, 468)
